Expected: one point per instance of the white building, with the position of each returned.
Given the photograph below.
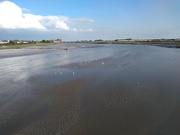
(4, 41)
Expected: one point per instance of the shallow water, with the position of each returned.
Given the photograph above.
(90, 89)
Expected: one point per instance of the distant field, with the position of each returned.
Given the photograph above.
(150, 42)
(19, 46)
(170, 44)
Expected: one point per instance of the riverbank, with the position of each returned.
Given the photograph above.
(19, 46)
(162, 43)
(171, 43)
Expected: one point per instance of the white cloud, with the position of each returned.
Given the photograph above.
(12, 17)
(87, 30)
(25, 9)
(54, 23)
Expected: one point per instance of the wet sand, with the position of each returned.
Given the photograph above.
(88, 90)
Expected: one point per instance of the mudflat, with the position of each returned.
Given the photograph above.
(90, 89)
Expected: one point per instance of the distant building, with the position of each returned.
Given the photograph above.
(4, 41)
(57, 41)
(21, 41)
(18, 42)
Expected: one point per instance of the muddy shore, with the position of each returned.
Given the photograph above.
(90, 90)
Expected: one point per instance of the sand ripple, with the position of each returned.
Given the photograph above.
(64, 112)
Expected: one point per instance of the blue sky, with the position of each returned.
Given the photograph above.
(89, 20)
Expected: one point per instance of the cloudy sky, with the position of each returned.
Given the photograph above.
(89, 19)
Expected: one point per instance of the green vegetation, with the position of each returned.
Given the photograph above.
(17, 44)
(175, 43)
(22, 45)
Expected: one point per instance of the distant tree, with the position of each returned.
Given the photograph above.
(46, 41)
(43, 41)
(98, 40)
(11, 42)
(128, 39)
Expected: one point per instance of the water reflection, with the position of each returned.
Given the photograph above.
(19, 68)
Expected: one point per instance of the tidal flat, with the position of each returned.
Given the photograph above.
(90, 89)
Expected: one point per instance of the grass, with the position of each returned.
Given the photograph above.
(19, 46)
(174, 44)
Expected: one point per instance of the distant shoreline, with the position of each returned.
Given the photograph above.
(161, 43)
(166, 43)
(20, 46)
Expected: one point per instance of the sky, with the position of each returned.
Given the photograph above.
(73, 20)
